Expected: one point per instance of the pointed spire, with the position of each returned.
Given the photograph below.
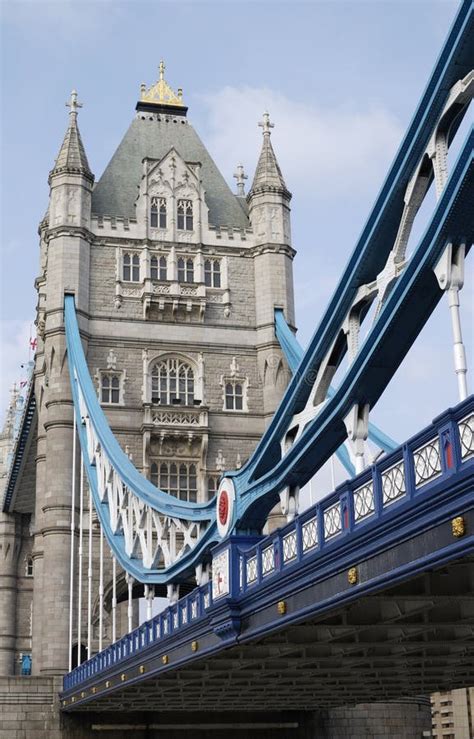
(268, 174)
(240, 176)
(72, 156)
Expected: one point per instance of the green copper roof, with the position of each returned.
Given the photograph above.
(116, 191)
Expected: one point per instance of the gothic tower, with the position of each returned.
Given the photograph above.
(175, 281)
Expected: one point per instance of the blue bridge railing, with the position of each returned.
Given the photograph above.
(410, 475)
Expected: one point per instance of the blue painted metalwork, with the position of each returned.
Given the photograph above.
(360, 536)
(23, 422)
(81, 384)
(411, 302)
(294, 353)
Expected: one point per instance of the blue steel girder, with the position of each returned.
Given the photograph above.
(370, 254)
(408, 307)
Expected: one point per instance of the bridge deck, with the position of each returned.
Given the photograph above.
(382, 607)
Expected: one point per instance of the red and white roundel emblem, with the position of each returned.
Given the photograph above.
(225, 506)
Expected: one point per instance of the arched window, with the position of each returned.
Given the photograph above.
(131, 268)
(179, 480)
(212, 273)
(110, 389)
(158, 213)
(234, 396)
(29, 566)
(185, 270)
(172, 382)
(185, 215)
(158, 268)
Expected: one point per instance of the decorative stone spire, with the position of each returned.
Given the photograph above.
(268, 176)
(240, 176)
(72, 156)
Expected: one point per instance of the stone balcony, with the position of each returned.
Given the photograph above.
(165, 299)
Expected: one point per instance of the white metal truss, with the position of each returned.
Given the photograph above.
(151, 537)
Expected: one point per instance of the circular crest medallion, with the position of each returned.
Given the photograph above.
(225, 506)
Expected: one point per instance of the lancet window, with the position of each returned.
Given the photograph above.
(110, 388)
(131, 268)
(29, 566)
(185, 215)
(234, 396)
(185, 270)
(212, 273)
(158, 212)
(178, 479)
(172, 383)
(158, 268)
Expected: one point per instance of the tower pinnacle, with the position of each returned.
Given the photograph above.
(268, 176)
(72, 156)
(161, 94)
(240, 176)
(265, 124)
(73, 104)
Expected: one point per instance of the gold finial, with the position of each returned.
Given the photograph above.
(161, 93)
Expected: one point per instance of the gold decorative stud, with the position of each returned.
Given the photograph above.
(64, 703)
(123, 677)
(352, 576)
(458, 526)
(281, 607)
(94, 690)
(165, 659)
(83, 695)
(107, 684)
(194, 646)
(73, 699)
(141, 669)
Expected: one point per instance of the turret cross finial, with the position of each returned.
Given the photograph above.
(162, 70)
(73, 104)
(265, 124)
(240, 176)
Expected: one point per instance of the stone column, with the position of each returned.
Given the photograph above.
(9, 549)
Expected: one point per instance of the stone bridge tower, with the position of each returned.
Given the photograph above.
(175, 281)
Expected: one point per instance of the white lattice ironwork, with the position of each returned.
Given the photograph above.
(364, 501)
(289, 546)
(393, 483)
(427, 462)
(151, 537)
(251, 569)
(309, 534)
(268, 560)
(194, 609)
(332, 521)
(206, 600)
(466, 436)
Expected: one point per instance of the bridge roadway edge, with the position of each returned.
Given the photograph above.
(29, 709)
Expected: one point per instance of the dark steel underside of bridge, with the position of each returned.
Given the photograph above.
(414, 638)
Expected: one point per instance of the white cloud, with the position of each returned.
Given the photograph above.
(15, 337)
(333, 151)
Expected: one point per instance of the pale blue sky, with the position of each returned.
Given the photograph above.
(340, 79)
